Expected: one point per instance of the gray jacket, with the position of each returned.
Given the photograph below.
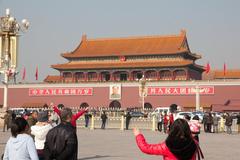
(20, 148)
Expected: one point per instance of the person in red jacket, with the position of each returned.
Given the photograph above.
(179, 144)
(74, 116)
(165, 122)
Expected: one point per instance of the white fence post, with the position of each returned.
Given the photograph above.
(153, 123)
(122, 123)
(92, 122)
(222, 124)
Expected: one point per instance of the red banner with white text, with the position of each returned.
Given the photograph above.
(203, 90)
(60, 91)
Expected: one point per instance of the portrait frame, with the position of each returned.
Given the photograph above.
(115, 91)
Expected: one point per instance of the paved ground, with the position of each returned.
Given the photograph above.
(114, 144)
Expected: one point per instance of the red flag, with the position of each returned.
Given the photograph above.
(24, 74)
(207, 70)
(224, 69)
(36, 74)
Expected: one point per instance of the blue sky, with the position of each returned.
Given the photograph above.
(57, 26)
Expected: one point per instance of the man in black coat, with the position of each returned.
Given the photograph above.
(61, 142)
(128, 118)
(104, 120)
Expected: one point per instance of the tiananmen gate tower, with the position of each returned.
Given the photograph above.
(128, 59)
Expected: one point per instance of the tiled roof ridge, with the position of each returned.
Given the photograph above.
(136, 37)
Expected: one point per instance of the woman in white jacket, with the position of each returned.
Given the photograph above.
(21, 145)
(40, 131)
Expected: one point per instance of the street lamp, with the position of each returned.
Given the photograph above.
(197, 98)
(142, 90)
(9, 29)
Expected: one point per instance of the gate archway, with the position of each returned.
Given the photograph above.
(84, 105)
(115, 104)
(147, 105)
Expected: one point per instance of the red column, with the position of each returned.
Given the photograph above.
(173, 76)
(158, 75)
(129, 76)
(63, 78)
(98, 77)
(112, 76)
(73, 77)
(187, 74)
(85, 76)
(133, 76)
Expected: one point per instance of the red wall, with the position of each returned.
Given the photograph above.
(130, 97)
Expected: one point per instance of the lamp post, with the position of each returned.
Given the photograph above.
(197, 98)
(9, 33)
(142, 90)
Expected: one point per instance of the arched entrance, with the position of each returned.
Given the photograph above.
(123, 76)
(120, 76)
(84, 105)
(115, 104)
(147, 105)
(105, 76)
(137, 75)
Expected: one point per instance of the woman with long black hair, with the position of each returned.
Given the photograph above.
(20, 145)
(179, 144)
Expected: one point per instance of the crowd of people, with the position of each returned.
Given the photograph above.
(43, 135)
(212, 123)
(51, 134)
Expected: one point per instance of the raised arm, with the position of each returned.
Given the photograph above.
(153, 149)
(56, 110)
(79, 114)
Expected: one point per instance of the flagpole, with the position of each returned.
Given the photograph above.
(36, 73)
(197, 92)
(24, 74)
(224, 71)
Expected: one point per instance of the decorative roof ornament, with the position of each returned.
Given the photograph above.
(122, 58)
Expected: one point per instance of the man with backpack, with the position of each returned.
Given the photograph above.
(61, 141)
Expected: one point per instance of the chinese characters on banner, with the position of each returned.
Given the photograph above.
(204, 90)
(60, 91)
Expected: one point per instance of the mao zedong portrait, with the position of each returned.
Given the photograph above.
(115, 94)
